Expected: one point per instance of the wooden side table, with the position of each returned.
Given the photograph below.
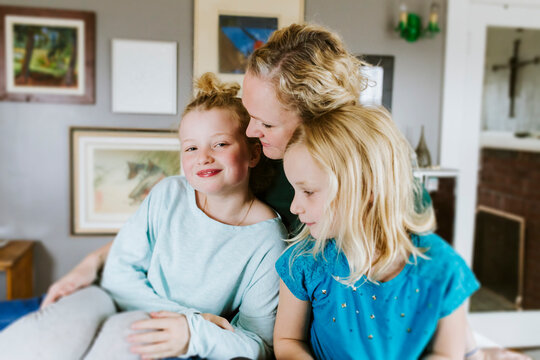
(16, 259)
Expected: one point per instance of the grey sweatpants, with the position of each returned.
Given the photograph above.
(83, 325)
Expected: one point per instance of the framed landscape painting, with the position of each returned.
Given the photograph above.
(227, 32)
(46, 55)
(112, 172)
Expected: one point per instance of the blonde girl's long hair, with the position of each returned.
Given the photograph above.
(211, 93)
(372, 208)
(310, 69)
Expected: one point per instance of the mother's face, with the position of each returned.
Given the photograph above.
(269, 121)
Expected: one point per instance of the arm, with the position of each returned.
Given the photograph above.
(125, 272)
(252, 326)
(254, 323)
(82, 275)
(291, 332)
(449, 342)
(493, 353)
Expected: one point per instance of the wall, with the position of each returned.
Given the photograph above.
(367, 28)
(34, 146)
(34, 149)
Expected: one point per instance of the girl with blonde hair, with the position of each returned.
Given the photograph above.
(200, 249)
(366, 278)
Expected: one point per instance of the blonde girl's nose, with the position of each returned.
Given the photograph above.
(295, 207)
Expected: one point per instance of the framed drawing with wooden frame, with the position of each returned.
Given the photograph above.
(47, 55)
(112, 171)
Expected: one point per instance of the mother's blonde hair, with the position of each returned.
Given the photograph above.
(371, 207)
(310, 69)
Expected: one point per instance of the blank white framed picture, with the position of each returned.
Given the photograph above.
(144, 77)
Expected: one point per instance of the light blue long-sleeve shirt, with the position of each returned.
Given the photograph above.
(171, 256)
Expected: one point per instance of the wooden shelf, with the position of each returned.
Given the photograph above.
(16, 259)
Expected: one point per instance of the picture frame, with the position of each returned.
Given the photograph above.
(381, 80)
(144, 76)
(47, 55)
(112, 171)
(226, 32)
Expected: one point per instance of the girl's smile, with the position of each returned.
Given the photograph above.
(208, 172)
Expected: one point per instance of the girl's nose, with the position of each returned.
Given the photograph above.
(204, 158)
(295, 207)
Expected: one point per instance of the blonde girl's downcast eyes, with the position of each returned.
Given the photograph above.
(190, 148)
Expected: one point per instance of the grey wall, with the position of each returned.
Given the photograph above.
(34, 146)
(367, 26)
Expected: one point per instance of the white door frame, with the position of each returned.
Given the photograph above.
(460, 137)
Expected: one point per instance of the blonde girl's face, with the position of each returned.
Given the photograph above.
(214, 151)
(311, 187)
(269, 121)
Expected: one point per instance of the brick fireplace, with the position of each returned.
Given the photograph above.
(509, 181)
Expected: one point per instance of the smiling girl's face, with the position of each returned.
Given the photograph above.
(215, 153)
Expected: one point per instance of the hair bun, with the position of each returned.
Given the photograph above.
(209, 85)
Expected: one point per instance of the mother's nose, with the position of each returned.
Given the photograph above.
(253, 130)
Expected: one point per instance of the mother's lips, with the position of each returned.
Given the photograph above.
(208, 172)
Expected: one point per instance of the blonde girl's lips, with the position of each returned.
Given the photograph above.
(208, 172)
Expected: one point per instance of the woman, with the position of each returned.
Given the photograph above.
(301, 72)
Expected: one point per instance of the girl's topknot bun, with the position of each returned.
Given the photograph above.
(208, 85)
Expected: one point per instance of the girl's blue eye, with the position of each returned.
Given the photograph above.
(221, 144)
(192, 148)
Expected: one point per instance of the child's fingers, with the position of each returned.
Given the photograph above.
(223, 323)
(148, 337)
(163, 314)
(151, 324)
(218, 320)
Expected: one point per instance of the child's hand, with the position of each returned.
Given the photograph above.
(167, 336)
(218, 320)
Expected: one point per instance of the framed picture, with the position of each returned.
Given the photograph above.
(112, 171)
(381, 78)
(47, 55)
(227, 32)
(144, 76)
